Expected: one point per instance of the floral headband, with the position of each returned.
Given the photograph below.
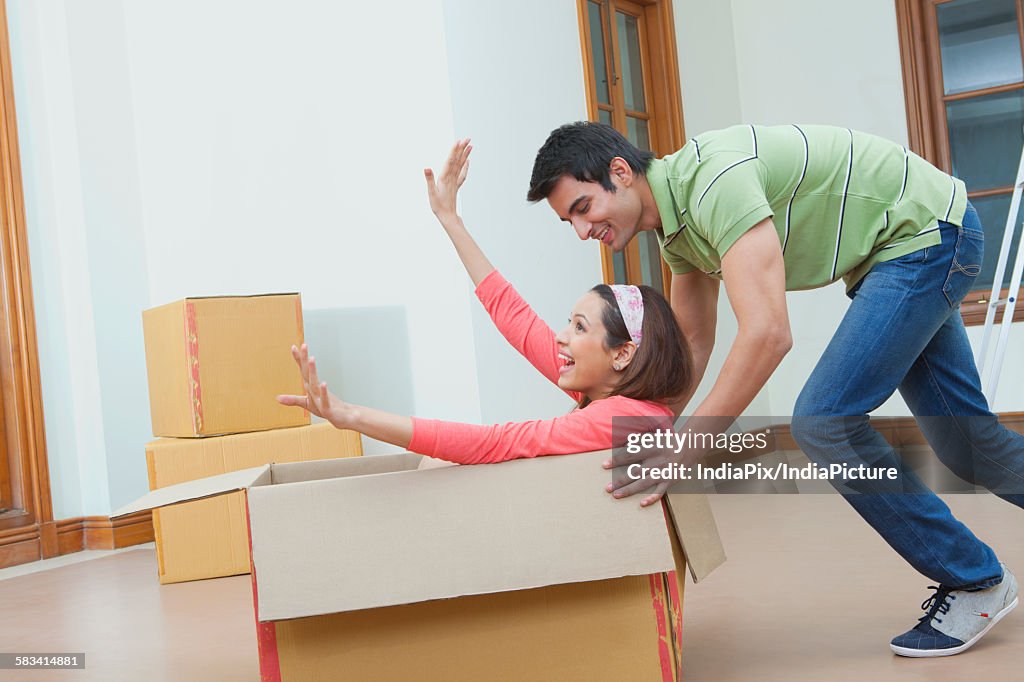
(631, 305)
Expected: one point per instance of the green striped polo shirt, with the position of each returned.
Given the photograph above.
(841, 200)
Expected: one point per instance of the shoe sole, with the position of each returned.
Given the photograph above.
(952, 651)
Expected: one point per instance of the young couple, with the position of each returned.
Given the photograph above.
(766, 210)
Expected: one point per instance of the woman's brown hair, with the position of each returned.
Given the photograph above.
(662, 368)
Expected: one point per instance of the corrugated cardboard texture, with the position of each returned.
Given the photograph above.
(448, 532)
(167, 368)
(208, 538)
(239, 361)
(595, 631)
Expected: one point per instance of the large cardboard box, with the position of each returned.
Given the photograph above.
(209, 538)
(215, 365)
(373, 569)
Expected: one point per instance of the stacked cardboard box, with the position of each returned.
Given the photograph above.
(215, 366)
(376, 569)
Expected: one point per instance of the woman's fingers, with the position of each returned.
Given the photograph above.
(300, 355)
(304, 362)
(452, 156)
(293, 400)
(314, 380)
(453, 164)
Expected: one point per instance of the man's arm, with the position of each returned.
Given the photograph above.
(755, 279)
(694, 298)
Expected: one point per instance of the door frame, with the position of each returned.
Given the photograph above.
(28, 527)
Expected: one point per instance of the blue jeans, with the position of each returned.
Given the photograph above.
(903, 331)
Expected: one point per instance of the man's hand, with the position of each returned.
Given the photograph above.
(648, 458)
(682, 447)
(444, 190)
(318, 400)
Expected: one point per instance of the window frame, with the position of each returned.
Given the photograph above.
(926, 114)
(661, 85)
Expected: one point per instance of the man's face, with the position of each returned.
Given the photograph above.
(596, 213)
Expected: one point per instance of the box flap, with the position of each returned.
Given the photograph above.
(194, 490)
(363, 542)
(296, 472)
(697, 532)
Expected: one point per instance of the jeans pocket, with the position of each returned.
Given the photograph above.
(967, 255)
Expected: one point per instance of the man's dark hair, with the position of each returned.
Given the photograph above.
(583, 150)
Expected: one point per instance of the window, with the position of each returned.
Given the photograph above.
(629, 57)
(963, 75)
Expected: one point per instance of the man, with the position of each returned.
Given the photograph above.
(771, 209)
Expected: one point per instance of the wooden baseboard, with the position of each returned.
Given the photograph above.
(103, 533)
(19, 546)
(898, 431)
(56, 538)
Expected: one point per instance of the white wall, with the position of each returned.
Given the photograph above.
(283, 152)
(229, 147)
(508, 99)
(791, 65)
(60, 249)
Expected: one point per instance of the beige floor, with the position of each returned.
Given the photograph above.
(809, 593)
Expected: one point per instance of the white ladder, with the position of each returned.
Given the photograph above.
(990, 379)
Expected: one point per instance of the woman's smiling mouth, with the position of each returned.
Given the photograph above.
(568, 363)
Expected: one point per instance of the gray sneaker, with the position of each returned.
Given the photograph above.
(956, 619)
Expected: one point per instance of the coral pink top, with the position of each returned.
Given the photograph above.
(582, 430)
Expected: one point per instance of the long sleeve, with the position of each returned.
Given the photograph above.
(582, 430)
(521, 326)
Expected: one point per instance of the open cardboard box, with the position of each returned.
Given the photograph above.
(371, 568)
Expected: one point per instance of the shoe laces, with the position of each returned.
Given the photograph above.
(936, 604)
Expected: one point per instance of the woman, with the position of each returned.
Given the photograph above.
(621, 355)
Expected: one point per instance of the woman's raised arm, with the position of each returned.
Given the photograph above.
(442, 191)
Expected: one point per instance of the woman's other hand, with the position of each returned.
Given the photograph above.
(318, 400)
(443, 189)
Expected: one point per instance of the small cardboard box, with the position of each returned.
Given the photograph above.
(215, 365)
(209, 538)
(372, 569)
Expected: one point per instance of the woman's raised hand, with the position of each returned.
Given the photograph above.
(443, 189)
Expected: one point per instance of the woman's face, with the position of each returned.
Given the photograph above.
(587, 364)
